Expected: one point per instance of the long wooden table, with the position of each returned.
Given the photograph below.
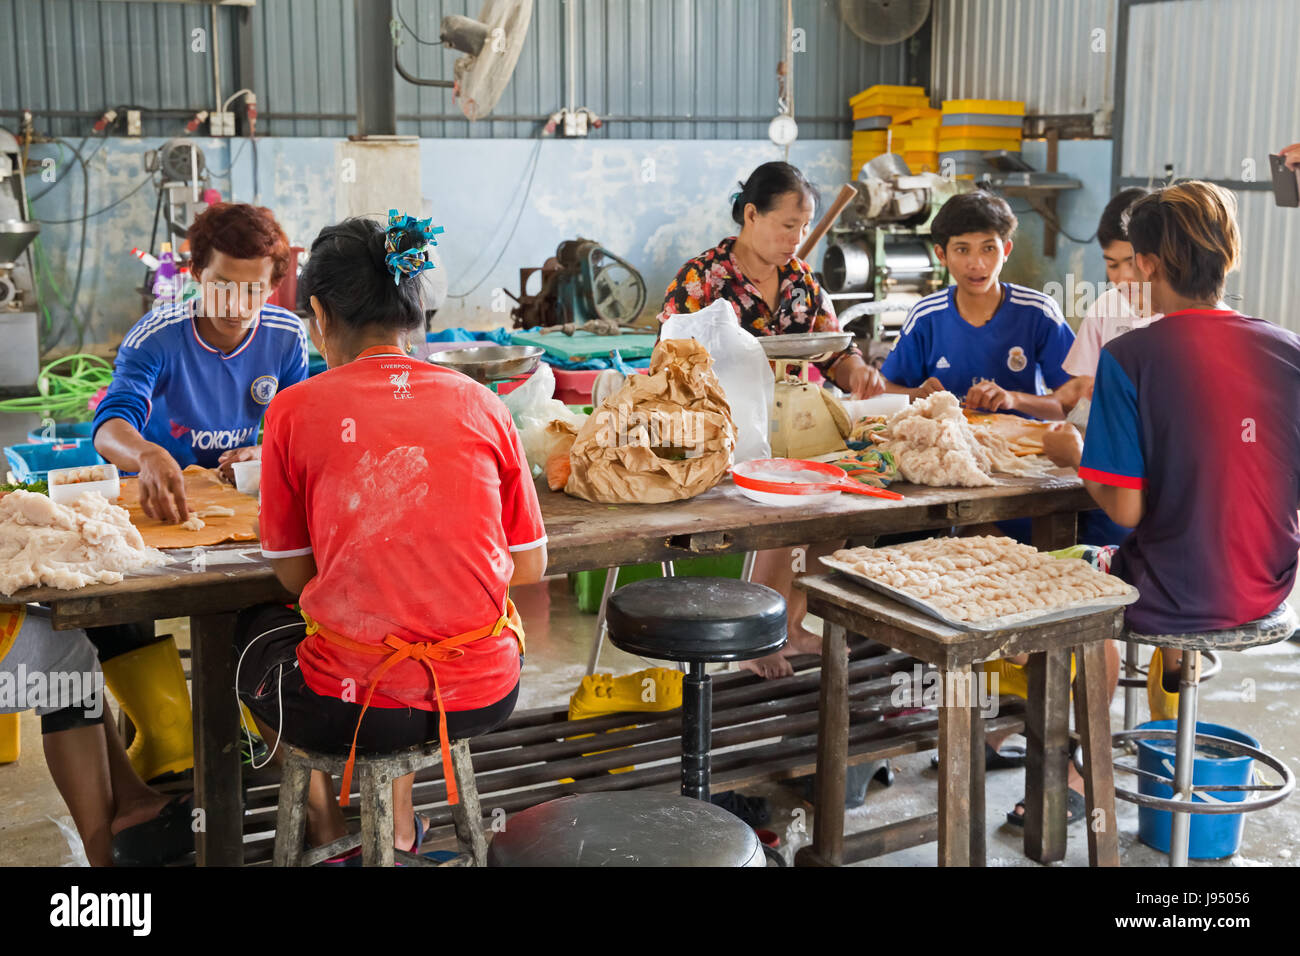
(581, 536)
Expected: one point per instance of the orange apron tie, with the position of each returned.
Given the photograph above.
(426, 652)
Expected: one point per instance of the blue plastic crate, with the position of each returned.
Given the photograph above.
(34, 461)
(65, 432)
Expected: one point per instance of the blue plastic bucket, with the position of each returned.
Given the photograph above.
(33, 462)
(65, 432)
(1213, 835)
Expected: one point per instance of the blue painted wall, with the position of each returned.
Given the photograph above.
(656, 203)
(1079, 210)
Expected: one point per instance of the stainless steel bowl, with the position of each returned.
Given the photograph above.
(805, 345)
(491, 363)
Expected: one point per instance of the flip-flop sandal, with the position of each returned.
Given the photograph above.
(350, 858)
(419, 838)
(1010, 757)
(419, 834)
(159, 841)
(1075, 808)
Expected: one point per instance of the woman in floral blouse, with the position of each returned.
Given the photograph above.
(774, 293)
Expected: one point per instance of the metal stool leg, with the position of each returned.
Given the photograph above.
(697, 731)
(1130, 693)
(746, 574)
(1181, 823)
(611, 582)
(669, 571)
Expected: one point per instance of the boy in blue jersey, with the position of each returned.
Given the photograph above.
(191, 384)
(998, 345)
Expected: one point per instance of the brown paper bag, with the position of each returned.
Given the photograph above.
(662, 437)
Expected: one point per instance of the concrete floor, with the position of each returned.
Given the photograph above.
(35, 829)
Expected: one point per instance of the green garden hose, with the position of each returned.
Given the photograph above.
(64, 391)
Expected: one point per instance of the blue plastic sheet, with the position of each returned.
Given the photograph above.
(495, 336)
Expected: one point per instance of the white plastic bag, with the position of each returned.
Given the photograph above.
(533, 406)
(742, 369)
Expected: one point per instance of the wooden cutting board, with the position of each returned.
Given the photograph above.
(1024, 435)
(203, 490)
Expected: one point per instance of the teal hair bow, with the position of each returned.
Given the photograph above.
(416, 259)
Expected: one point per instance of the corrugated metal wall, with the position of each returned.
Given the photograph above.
(1210, 84)
(1045, 52)
(644, 58)
(85, 55)
(1268, 281)
(1210, 89)
(651, 58)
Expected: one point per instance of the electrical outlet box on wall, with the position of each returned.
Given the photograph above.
(575, 123)
(221, 124)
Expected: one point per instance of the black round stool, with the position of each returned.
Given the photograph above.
(700, 621)
(625, 828)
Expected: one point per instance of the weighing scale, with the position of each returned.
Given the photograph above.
(807, 420)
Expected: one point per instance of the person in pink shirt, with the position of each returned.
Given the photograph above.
(1121, 307)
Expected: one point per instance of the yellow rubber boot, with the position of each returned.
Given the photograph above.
(1163, 705)
(149, 684)
(650, 690)
(249, 722)
(11, 622)
(10, 738)
(1013, 679)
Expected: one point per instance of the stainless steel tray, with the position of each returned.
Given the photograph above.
(1023, 619)
(490, 363)
(805, 345)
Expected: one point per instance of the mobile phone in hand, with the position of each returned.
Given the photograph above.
(1286, 182)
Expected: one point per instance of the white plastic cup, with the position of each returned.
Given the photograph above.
(248, 476)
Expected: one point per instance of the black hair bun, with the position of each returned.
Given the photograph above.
(375, 249)
(766, 185)
(348, 272)
(738, 205)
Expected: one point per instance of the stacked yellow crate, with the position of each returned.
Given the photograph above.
(970, 128)
(916, 138)
(873, 111)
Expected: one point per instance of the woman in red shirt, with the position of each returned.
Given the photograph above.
(397, 502)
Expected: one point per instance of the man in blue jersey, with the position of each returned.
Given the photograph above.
(191, 384)
(193, 380)
(997, 344)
